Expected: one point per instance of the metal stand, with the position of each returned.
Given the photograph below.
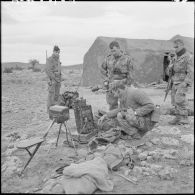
(27, 144)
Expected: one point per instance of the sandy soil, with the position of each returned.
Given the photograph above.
(24, 96)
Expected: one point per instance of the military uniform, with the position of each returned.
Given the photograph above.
(182, 76)
(53, 71)
(137, 110)
(118, 69)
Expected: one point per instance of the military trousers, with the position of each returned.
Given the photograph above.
(53, 93)
(111, 100)
(178, 96)
(132, 124)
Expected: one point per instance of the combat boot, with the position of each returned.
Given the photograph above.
(175, 121)
(184, 120)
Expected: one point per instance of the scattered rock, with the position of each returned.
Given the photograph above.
(146, 173)
(170, 141)
(11, 165)
(188, 138)
(149, 158)
(143, 156)
(168, 130)
(137, 170)
(155, 167)
(148, 144)
(145, 169)
(155, 130)
(13, 136)
(169, 156)
(152, 172)
(186, 162)
(155, 141)
(138, 151)
(156, 155)
(173, 152)
(82, 152)
(167, 173)
(11, 146)
(9, 151)
(144, 164)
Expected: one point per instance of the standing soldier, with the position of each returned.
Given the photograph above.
(182, 77)
(53, 71)
(117, 67)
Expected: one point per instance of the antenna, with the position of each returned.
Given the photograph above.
(46, 56)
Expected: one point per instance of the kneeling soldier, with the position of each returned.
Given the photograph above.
(134, 114)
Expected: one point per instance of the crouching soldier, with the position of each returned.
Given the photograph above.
(135, 112)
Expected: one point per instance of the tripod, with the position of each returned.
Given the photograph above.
(27, 144)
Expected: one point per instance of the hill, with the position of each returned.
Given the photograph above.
(27, 65)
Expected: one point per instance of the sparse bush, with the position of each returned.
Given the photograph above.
(33, 62)
(36, 70)
(29, 68)
(71, 71)
(8, 70)
(18, 68)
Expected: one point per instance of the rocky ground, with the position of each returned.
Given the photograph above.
(163, 164)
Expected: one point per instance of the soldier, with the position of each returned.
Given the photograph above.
(171, 58)
(117, 67)
(134, 114)
(53, 71)
(182, 77)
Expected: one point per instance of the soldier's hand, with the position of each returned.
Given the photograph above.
(170, 65)
(100, 121)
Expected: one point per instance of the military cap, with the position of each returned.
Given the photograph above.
(56, 48)
(178, 41)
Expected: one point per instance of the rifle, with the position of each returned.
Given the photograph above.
(170, 83)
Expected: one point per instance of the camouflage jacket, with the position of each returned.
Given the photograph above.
(117, 69)
(53, 68)
(182, 68)
(135, 99)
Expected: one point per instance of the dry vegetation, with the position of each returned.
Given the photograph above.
(24, 96)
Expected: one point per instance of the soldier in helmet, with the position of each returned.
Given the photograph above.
(117, 67)
(53, 72)
(182, 78)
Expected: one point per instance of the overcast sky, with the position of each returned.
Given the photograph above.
(31, 28)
